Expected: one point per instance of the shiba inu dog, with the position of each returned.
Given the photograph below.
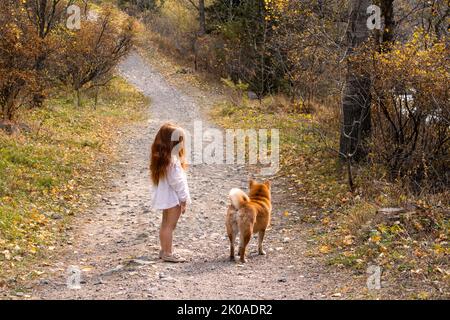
(247, 215)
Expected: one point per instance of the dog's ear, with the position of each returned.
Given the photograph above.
(267, 184)
(251, 183)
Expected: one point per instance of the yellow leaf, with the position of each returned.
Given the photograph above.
(423, 295)
(325, 249)
(375, 238)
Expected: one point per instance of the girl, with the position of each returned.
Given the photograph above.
(167, 166)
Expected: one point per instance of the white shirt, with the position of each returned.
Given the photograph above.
(172, 189)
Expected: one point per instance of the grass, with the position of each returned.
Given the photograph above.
(412, 249)
(53, 171)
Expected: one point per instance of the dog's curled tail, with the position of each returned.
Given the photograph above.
(238, 198)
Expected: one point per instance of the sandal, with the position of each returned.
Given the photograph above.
(174, 257)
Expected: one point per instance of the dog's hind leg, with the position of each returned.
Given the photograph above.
(232, 237)
(260, 242)
(232, 231)
(245, 239)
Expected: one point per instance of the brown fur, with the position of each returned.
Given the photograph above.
(252, 215)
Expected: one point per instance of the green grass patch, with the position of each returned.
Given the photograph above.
(51, 172)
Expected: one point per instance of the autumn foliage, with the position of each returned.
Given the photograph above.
(38, 53)
(411, 92)
(19, 51)
(90, 54)
(301, 52)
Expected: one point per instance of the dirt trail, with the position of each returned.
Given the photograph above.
(116, 244)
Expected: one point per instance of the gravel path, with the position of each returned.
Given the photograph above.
(116, 245)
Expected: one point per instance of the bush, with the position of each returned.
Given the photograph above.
(139, 6)
(91, 53)
(37, 52)
(411, 91)
(19, 50)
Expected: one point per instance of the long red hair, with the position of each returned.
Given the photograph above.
(169, 136)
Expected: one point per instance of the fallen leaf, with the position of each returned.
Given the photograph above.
(423, 295)
(348, 240)
(325, 249)
(375, 238)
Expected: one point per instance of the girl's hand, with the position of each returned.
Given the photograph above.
(183, 207)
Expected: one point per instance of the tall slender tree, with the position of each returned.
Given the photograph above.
(200, 7)
(356, 121)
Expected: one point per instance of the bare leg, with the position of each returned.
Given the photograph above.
(168, 224)
(260, 242)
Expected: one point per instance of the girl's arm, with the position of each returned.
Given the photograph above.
(177, 180)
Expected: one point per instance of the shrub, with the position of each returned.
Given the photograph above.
(411, 113)
(137, 6)
(91, 53)
(237, 91)
(19, 50)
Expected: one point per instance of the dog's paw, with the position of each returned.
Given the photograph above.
(242, 260)
(261, 252)
(232, 259)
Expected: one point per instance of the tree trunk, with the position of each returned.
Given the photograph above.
(77, 98)
(195, 51)
(387, 10)
(356, 122)
(97, 90)
(202, 18)
(42, 8)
